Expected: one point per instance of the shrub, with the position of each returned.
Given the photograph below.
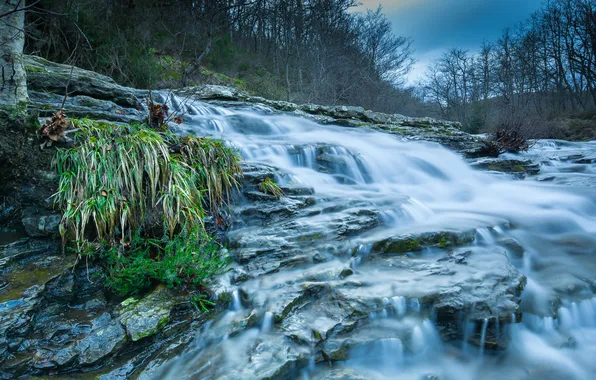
(510, 140)
(505, 140)
(120, 182)
(183, 261)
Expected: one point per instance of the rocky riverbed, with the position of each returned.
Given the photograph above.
(397, 251)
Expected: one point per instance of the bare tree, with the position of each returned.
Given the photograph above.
(13, 80)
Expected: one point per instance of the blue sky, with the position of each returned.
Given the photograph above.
(437, 25)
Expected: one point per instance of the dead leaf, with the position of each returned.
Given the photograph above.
(53, 129)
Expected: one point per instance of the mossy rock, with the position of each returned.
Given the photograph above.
(147, 316)
(417, 242)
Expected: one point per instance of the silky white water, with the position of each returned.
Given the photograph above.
(420, 187)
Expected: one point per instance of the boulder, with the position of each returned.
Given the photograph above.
(46, 76)
(83, 106)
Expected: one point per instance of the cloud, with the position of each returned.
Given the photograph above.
(437, 25)
(422, 62)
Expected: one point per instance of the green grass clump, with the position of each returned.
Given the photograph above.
(143, 195)
(183, 261)
(216, 165)
(270, 187)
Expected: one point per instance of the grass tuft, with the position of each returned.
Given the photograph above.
(270, 187)
(122, 183)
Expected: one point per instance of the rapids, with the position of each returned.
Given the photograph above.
(545, 225)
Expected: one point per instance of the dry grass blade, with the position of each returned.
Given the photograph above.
(116, 175)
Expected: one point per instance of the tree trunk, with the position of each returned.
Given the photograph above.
(13, 80)
(196, 64)
(288, 90)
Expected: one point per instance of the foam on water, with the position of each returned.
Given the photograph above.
(417, 187)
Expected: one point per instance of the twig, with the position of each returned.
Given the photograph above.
(17, 9)
(66, 90)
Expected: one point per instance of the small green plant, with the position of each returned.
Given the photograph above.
(17, 113)
(270, 187)
(136, 198)
(201, 303)
(184, 261)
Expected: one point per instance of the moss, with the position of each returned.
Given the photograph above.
(318, 336)
(398, 130)
(403, 246)
(518, 169)
(224, 298)
(444, 241)
(128, 302)
(34, 69)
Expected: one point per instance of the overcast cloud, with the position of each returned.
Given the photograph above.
(437, 25)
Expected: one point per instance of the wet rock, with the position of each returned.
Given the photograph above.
(254, 175)
(38, 225)
(26, 248)
(101, 343)
(146, 317)
(276, 358)
(366, 341)
(121, 373)
(210, 92)
(82, 106)
(416, 242)
(297, 190)
(340, 374)
(46, 76)
(513, 246)
(259, 196)
(518, 167)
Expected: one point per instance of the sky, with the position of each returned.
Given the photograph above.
(438, 25)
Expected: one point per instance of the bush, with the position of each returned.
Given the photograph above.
(183, 261)
(139, 197)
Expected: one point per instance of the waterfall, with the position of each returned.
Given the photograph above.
(355, 272)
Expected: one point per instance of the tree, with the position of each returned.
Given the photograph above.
(13, 80)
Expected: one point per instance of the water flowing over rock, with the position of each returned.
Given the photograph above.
(386, 252)
(395, 251)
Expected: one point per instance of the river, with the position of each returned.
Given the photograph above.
(393, 259)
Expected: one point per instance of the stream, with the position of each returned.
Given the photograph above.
(394, 259)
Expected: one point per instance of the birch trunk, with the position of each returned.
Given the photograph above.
(13, 79)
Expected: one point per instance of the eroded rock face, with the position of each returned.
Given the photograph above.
(46, 76)
(54, 318)
(302, 298)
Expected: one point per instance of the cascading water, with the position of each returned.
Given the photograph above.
(545, 228)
